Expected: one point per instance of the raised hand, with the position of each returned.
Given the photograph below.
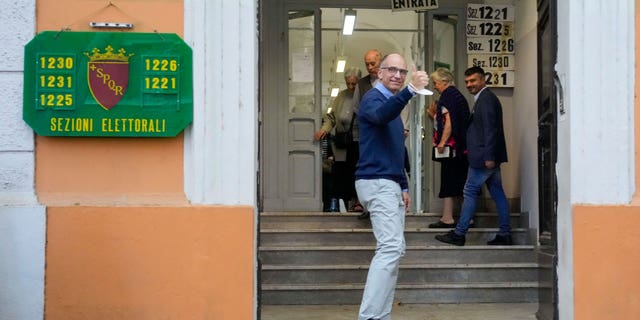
(419, 79)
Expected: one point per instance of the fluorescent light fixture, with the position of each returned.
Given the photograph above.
(342, 62)
(335, 91)
(349, 22)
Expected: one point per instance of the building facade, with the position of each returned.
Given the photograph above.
(119, 228)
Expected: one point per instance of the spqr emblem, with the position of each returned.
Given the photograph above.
(108, 75)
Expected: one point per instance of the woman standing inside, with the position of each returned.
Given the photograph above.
(339, 120)
(450, 115)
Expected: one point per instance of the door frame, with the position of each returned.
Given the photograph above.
(272, 191)
(274, 46)
(550, 103)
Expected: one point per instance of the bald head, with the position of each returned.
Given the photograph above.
(372, 60)
(393, 72)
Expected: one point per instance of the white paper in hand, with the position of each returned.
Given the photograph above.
(424, 92)
(446, 153)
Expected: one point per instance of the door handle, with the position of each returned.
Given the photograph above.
(559, 94)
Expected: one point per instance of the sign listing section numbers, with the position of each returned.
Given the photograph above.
(108, 84)
(490, 45)
(490, 12)
(489, 28)
(492, 61)
(490, 42)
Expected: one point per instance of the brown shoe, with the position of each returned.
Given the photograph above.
(356, 208)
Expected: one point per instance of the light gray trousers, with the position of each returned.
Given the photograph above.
(383, 199)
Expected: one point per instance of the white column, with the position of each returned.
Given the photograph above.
(221, 145)
(22, 219)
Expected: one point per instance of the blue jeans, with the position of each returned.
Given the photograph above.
(475, 178)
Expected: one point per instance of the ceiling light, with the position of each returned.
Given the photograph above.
(335, 91)
(349, 22)
(342, 62)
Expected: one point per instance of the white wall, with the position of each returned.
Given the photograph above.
(595, 136)
(598, 70)
(221, 145)
(16, 137)
(22, 220)
(22, 241)
(525, 104)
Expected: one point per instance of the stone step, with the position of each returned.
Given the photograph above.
(364, 236)
(487, 292)
(323, 258)
(349, 220)
(409, 273)
(340, 255)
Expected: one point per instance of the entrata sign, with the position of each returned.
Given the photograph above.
(108, 84)
(413, 5)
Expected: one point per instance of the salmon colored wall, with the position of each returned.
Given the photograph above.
(607, 244)
(146, 16)
(149, 263)
(606, 262)
(109, 170)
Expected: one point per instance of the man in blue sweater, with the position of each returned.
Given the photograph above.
(380, 180)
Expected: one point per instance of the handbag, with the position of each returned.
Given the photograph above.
(342, 139)
(448, 153)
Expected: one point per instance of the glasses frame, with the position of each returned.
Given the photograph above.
(396, 70)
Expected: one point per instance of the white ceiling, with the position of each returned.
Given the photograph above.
(375, 29)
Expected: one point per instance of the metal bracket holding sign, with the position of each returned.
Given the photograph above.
(108, 84)
(490, 42)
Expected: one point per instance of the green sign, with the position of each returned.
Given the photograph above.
(108, 84)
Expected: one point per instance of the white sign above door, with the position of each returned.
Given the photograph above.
(415, 5)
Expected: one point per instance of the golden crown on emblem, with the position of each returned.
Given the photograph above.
(109, 55)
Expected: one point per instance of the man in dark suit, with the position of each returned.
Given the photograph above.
(486, 151)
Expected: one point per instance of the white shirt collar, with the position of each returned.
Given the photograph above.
(475, 98)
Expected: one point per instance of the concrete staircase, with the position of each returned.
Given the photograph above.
(322, 258)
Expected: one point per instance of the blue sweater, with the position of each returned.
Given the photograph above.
(382, 148)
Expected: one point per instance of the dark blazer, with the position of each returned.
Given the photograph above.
(485, 134)
(364, 85)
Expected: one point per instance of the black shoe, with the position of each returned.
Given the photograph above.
(364, 215)
(451, 238)
(442, 225)
(501, 240)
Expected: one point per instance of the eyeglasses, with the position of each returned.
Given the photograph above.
(394, 70)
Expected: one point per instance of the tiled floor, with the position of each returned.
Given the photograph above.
(479, 311)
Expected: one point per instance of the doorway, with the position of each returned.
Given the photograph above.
(301, 45)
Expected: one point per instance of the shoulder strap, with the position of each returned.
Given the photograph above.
(353, 117)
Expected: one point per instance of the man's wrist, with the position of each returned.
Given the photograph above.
(412, 88)
(405, 190)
